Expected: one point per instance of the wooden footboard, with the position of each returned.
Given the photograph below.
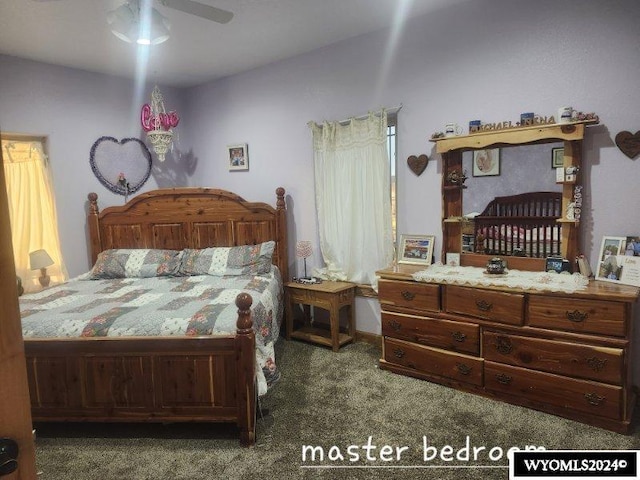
(168, 379)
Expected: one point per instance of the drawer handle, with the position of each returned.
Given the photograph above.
(463, 368)
(577, 316)
(503, 345)
(408, 295)
(503, 378)
(596, 364)
(458, 336)
(398, 352)
(395, 325)
(594, 399)
(484, 305)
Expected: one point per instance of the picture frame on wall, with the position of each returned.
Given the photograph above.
(486, 162)
(557, 157)
(416, 249)
(238, 156)
(619, 260)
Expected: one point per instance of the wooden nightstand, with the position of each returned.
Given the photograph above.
(330, 296)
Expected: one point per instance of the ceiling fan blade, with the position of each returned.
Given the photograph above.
(199, 9)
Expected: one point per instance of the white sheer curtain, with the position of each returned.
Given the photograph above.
(352, 180)
(32, 209)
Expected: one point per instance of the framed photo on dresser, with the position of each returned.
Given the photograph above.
(619, 260)
(416, 249)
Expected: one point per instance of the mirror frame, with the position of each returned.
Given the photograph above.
(451, 149)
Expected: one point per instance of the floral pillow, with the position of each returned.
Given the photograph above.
(136, 263)
(220, 261)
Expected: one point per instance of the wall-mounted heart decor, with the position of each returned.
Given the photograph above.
(629, 143)
(111, 157)
(417, 164)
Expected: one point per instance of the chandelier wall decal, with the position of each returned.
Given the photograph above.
(158, 123)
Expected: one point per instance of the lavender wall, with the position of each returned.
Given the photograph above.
(73, 109)
(485, 59)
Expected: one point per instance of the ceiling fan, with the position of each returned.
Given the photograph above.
(137, 21)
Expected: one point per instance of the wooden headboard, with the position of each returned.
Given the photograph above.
(177, 218)
(524, 224)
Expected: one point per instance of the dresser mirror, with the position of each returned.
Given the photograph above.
(523, 168)
(518, 209)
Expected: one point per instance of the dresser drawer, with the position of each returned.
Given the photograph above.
(411, 295)
(491, 305)
(434, 361)
(546, 388)
(458, 336)
(572, 359)
(578, 315)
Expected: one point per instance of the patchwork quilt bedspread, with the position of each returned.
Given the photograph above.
(160, 306)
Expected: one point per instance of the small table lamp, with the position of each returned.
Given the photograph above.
(304, 250)
(40, 259)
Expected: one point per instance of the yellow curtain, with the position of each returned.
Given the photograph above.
(32, 210)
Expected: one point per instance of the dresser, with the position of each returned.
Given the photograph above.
(564, 354)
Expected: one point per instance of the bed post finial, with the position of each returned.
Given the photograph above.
(243, 302)
(95, 243)
(93, 203)
(280, 198)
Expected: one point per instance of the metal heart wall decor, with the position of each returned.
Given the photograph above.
(111, 157)
(417, 164)
(629, 143)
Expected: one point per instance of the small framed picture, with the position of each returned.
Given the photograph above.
(453, 259)
(486, 162)
(417, 249)
(557, 157)
(238, 157)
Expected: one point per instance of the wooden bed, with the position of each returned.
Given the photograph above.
(522, 225)
(162, 379)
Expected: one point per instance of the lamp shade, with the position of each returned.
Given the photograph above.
(304, 249)
(39, 259)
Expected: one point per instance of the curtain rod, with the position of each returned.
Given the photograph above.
(392, 110)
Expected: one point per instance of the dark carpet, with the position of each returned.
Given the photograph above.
(334, 401)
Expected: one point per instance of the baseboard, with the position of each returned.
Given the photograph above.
(368, 337)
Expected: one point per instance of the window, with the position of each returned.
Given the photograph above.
(392, 142)
(32, 208)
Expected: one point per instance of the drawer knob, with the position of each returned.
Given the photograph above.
(594, 399)
(503, 345)
(395, 325)
(398, 352)
(484, 305)
(577, 316)
(408, 295)
(503, 378)
(596, 364)
(458, 336)
(463, 368)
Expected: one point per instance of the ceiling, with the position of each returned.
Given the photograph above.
(74, 33)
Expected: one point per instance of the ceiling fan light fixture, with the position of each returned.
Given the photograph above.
(129, 24)
(153, 31)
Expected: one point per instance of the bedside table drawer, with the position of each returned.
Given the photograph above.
(410, 295)
(546, 388)
(487, 304)
(458, 336)
(577, 315)
(573, 359)
(434, 361)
